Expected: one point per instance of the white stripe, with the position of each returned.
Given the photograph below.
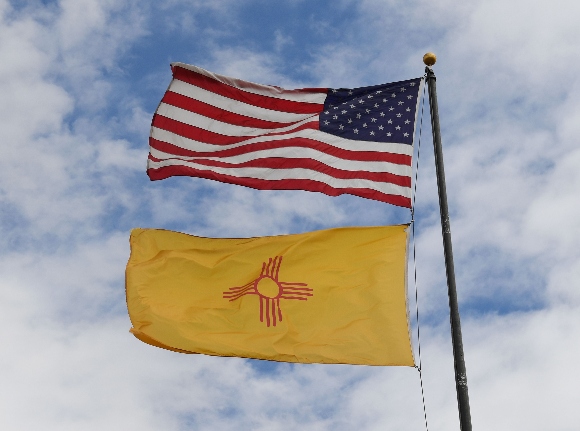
(317, 135)
(234, 106)
(264, 90)
(285, 174)
(211, 125)
(300, 153)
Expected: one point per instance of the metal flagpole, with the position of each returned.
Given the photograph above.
(459, 362)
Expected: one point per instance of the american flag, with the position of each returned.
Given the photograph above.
(357, 141)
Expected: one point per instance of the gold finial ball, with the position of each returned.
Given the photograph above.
(429, 59)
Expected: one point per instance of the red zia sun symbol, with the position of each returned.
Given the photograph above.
(270, 291)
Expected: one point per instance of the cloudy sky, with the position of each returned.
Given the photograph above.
(79, 81)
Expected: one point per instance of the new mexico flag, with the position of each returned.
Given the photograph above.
(330, 296)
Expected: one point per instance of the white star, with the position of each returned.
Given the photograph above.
(376, 105)
(388, 133)
(352, 106)
(355, 130)
(336, 107)
(372, 133)
(382, 114)
(401, 102)
(412, 84)
(361, 101)
(364, 124)
(391, 108)
(398, 128)
(334, 90)
(390, 121)
(373, 120)
(350, 92)
(398, 115)
(368, 111)
(381, 127)
(379, 91)
(405, 134)
(335, 117)
(349, 121)
(407, 121)
(325, 122)
(370, 96)
(343, 112)
(326, 112)
(410, 96)
(384, 100)
(358, 116)
(393, 95)
(408, 109)
(402, 88)
(340, 126)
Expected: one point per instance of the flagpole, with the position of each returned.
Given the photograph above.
(458, 359)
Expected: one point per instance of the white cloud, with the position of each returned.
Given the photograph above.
(71, 186)
(526, 382)
(249, 65)
(56, 57)
(281, 41)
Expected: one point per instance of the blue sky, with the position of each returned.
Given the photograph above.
(80, 80)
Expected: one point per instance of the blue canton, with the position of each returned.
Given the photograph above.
(381, 113)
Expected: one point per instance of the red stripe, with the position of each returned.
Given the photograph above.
(193, 132)
(313, 165)
(219, 114)
(295, 297)
(248, 85)
(230, 92)
(267, 312)
(202, 135)
(288, 184)
(363, 156)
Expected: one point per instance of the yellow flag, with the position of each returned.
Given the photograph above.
(330, 296)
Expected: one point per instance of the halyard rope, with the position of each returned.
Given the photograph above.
(418, 367)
